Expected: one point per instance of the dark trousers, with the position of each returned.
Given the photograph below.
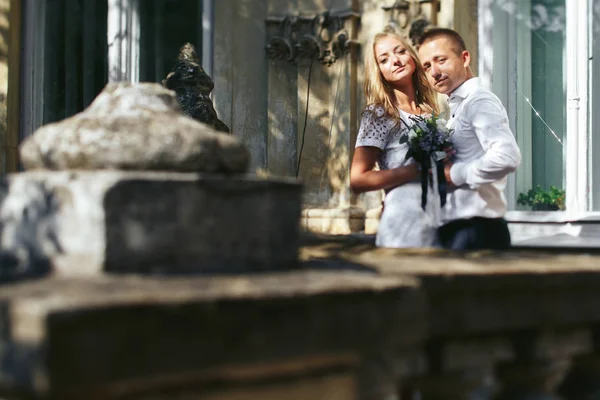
(475, 234)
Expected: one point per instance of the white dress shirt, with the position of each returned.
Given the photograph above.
(486, 152)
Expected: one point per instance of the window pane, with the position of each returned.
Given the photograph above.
(548, 91)
(166, 25)
(529, 75)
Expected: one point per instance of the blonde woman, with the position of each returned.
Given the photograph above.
(395, 88)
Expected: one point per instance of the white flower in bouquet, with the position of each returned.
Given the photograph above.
(442, 125)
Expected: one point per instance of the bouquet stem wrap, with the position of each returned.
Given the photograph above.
(436, 178)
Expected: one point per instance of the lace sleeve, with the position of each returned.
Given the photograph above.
(374, 128)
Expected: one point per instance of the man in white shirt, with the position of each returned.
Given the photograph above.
(486, 150)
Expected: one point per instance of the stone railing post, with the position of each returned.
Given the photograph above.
(582, 382)
(460, 370)
(540, 363)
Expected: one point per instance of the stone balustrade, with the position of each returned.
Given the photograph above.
(146, 264)
(349, 322)
(516, 325)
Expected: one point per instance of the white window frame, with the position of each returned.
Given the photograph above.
(208, 18)
(504, 84)
(32, 61)
(124, 39)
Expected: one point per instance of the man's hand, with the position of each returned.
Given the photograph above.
(450, 152)
(447, 167)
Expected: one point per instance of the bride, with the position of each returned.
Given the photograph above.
(395, 88)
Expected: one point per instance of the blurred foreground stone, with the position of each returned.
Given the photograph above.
(132, 184)
(298, 336)
(84, 223)
(134, 127)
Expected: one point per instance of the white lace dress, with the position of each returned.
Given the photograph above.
(403, 222)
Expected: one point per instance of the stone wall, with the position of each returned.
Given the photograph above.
(239, 72)
(4, 40)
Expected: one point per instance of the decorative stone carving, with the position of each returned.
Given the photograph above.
(133, 127)
(193, 87)
(322, 37)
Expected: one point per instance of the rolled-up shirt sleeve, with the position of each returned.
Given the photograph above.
(501, 155)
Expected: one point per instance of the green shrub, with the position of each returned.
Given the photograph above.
(540, 199)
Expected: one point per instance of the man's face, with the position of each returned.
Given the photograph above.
(445, 69)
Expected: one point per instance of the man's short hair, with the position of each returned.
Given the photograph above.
(458, 44)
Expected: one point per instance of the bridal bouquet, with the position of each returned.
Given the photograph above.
(428, 141)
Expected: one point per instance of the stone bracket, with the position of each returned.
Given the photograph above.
(321, 37)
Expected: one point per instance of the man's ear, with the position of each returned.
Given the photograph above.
(466, 58)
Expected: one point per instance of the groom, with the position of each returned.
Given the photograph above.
(486, 150)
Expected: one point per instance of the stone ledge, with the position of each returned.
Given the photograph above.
(168, 332)
(337, 221)
(82, 223)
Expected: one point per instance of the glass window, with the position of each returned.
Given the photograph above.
(529, 72)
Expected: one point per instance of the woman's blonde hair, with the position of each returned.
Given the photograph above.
(379, 92)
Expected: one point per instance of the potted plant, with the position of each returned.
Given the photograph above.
(540, 199)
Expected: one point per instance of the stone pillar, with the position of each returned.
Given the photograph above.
(282, 150)
(315, 81)
(240, 73)
(540, 363)
(313, 107)
(466, 24)
(460, 370)
(531, 380)
(583, 379)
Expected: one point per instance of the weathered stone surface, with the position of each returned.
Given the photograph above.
(132, 337)
(193, 86)
(133, 127)
(86, 222)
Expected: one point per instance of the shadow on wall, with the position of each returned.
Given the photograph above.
(313, 58)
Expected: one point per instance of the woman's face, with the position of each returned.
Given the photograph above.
(394, 61)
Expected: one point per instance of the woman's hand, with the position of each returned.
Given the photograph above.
(364, 179)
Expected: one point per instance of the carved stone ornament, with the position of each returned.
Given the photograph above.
(322, 37)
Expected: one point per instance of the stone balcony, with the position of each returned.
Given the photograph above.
(349, 321)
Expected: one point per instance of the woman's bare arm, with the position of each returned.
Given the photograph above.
(364, 179)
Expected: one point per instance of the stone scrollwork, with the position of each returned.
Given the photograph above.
(282, 47)
(408, 17)
(322, 37)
